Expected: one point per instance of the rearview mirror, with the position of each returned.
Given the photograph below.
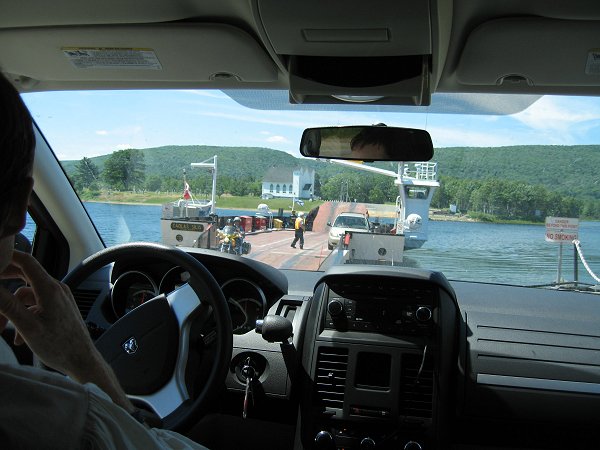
(367, 143)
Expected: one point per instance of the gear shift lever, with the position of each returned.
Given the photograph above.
(279, 329)
(275, 329)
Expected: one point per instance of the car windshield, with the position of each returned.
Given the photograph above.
(508, 191)
(350, 222)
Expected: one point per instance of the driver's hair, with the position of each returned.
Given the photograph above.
(17, 145)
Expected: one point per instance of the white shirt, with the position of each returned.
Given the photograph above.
(44, 410)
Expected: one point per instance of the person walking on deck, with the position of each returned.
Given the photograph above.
(299, 230)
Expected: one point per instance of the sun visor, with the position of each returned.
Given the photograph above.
(527, 52)
(210, 55)
(352, 51)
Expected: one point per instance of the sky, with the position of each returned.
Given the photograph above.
(80, 123)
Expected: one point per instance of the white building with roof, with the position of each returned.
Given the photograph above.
(285, 182)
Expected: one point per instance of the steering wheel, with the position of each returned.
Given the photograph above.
(149, 348)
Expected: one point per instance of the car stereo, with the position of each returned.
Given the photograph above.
(413, 312)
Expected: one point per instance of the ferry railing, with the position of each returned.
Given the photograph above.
(421, 171)
(575, 284)
(577, 245)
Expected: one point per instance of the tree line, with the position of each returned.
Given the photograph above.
(571, 170)
(514, 200)
(125, 170)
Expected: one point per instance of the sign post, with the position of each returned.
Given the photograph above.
(560, 230)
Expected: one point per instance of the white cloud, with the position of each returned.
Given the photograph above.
(121, 131)
(554, 113)
(277, 139)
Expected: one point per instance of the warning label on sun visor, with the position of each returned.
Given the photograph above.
(592, 67)
(112, 58)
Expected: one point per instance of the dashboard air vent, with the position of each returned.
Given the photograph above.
(330, 376)
(416, 391)
(85, 298)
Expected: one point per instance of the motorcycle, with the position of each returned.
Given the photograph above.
(230, 240)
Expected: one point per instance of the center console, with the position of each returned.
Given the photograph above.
(377, 347)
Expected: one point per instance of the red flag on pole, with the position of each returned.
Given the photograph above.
(186, 191)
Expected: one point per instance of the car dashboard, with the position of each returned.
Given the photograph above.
(385, 357)
(380, 342)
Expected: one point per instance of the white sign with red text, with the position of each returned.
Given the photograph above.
(561, 229)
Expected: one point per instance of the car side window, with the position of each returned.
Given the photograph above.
(23, 243)
(26, 235)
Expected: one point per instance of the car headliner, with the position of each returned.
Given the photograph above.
(465, 46)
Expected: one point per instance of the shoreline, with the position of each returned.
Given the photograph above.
(434, 216)
(149, 204)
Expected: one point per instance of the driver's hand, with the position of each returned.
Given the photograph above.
(46, 317)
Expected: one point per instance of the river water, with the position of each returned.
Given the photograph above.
(495, 253)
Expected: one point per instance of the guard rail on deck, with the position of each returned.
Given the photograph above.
(577, 245)
(421, 171)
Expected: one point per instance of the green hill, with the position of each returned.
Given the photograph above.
(569, 170)
(169, 161)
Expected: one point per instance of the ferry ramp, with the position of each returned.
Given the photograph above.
(328, 211)
(273, 247)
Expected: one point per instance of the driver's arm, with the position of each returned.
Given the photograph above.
(46, 317)
(37, 406)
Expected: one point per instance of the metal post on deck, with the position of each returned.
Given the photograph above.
(575, 266)
(213, 198)
(560, 253)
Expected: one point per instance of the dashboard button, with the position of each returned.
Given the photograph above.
(335, 308)
(423, 314)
